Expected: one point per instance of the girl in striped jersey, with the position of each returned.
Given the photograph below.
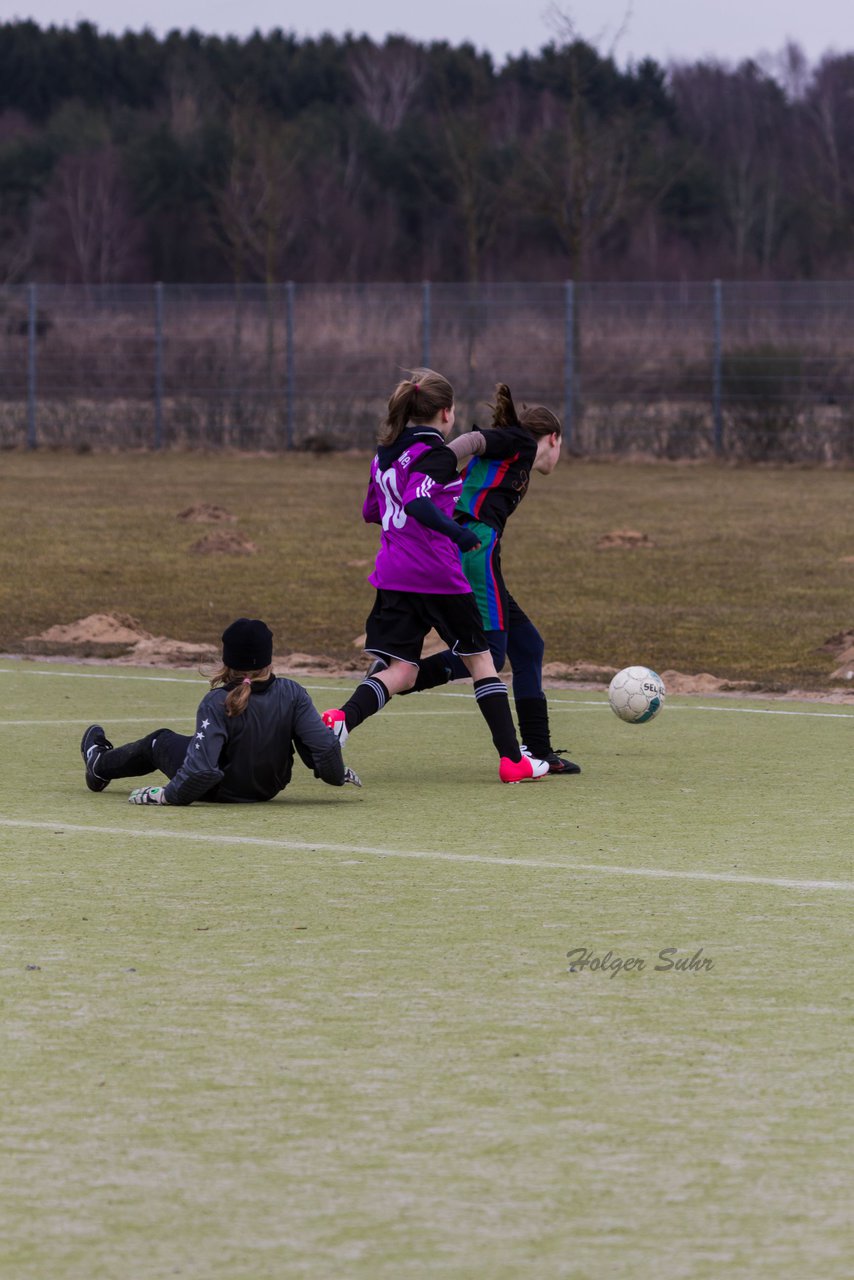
(413, 489)
(495, 482)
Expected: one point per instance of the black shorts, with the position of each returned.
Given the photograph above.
(400, 620)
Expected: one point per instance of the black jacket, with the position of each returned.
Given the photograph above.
(246, 758)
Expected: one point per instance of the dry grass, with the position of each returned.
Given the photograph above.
(746, 580)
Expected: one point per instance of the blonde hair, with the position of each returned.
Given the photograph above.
(237, 698)
(535, 418)
(418, 399)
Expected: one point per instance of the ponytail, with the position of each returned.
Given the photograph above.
(418, 399)
(504, 410)
(237, 698)
(536, 419)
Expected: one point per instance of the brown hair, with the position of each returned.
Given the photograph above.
(238, 697)
(418, 399)
(535, 418)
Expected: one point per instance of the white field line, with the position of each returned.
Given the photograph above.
(21, 724)
(433, 855)
(598, 703)
(102, 675)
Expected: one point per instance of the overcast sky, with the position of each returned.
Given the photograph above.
(632, 29)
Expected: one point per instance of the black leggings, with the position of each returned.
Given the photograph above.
(163, 749)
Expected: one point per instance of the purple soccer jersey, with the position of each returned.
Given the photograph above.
(411, 556)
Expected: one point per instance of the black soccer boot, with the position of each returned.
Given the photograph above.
(93, 745)
(533, 714)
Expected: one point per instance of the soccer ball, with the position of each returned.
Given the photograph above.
(636, 694)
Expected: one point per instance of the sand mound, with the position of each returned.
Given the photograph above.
(160, 651)
(228, 543)
(121, 637)
(97, 628)
(845, 670)
(841, 645)
(837, 644)
(626, 538)
(703, 682)
(207, 513)
(316, 664)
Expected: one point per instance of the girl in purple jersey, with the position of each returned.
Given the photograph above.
(412, 493)
(494, 483)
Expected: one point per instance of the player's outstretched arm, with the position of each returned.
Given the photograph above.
(318, 749)
(465, 446)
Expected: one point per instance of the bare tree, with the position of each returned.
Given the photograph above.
(476, 183)
(387, 79)
(830, 110)
(580, 170)
(256, 211)
(96, 237)
(738, 120)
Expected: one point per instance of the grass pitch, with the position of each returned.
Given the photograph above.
(336, 1035)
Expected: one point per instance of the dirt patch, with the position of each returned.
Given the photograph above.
(98, 628)
(837, 643)
(841, 645)
(120, 638)
(229, 542)
(704, 682)
(316, 664)
(206, 513)
(160, 651)
(845, 670)
(630, 539)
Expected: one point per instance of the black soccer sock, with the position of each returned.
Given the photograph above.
(133, 760)
(369, 698)
(494, 706)
(432, 672)
(533, 714)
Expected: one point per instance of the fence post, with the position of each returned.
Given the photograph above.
(426, 323)
(569, 372)
(158, 365)
(717, 369)
(32, 440)
(289, 359)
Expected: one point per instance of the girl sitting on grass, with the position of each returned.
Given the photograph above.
(247, 729)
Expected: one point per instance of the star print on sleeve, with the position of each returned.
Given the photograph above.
(205, 724)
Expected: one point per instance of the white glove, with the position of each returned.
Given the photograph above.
(148, 795)
(350, 776)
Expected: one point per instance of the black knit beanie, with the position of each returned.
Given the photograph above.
(247, 645)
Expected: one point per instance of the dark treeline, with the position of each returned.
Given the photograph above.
(194, 158)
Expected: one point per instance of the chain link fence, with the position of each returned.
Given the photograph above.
(760, 371)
